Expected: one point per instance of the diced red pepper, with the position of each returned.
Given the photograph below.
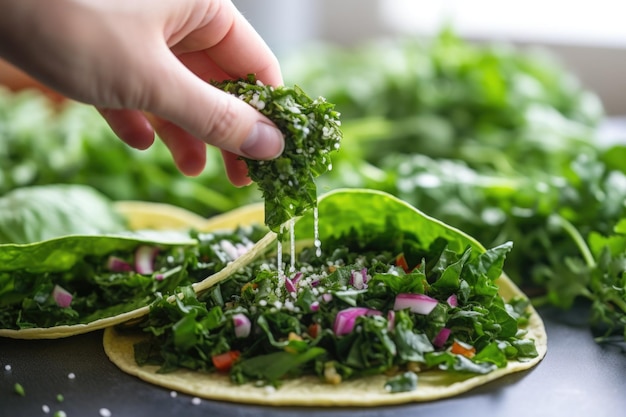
(314, 329)
(463, 349)
(224, 361)
(402, 263)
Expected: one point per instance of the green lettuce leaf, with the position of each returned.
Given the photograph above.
(33, 214)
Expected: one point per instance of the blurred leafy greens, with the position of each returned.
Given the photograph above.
(499, 142)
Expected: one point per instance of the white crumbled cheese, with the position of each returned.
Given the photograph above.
(173, 394)
(71, 375)
(45, 409)
(7, 367)
(196, 401)
(269, 389)
(262, 303)
(105, 412)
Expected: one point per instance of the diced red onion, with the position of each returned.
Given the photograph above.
(453, 301)
(358, 279)
(296, 278)
(442, 337)
(345, 319)
(116, 264)
(290, 286)
(327, 298)
(242, 325)
(416, 303)
(144, 259)
(315, 283)
(62, 297)
(391, 320)
(242, 249)
(315, 305)
(230, 249)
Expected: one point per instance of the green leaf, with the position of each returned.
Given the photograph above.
(274, 366)
(33, 214)
(402, 383)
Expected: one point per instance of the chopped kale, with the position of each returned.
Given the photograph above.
(311, 130)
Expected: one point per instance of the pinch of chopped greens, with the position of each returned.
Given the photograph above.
(311, 130)
(337, 317)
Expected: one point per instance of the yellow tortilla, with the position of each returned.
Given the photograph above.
(158, 216)
(310, 391)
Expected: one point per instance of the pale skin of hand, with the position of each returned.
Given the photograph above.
(146, 66)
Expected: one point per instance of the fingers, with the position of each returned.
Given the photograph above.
(236, 169)
(131, 126)
(188, 152)
(233, 45)
(209, 114)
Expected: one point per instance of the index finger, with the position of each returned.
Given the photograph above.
(233, 45)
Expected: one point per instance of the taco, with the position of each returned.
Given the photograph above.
(102, 263)
(398, 307)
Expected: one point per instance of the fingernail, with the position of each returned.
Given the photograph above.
(263, 142)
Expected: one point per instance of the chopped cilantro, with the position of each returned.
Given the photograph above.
(311, 130)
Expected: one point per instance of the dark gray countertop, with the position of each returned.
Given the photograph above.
(577, 378)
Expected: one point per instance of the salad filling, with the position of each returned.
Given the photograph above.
(396, 303)
(96, 283)
(346, 314)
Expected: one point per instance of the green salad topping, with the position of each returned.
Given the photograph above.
(311, 130)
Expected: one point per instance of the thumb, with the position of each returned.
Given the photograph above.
(211, 115)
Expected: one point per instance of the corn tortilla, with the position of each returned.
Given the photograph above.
(157, 216)
(310, 391)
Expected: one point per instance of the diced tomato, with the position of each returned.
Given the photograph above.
(402, 263)
(224, 361)
(314, 329)
(463, 349)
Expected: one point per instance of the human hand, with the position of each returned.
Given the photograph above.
(145, 64)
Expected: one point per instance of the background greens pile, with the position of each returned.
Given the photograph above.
(498, 142)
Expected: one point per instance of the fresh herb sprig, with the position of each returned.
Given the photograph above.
(311, 130)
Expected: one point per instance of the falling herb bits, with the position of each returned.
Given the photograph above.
(311, 130)
(19, 389)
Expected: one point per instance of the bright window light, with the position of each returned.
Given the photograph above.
(584, 22)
